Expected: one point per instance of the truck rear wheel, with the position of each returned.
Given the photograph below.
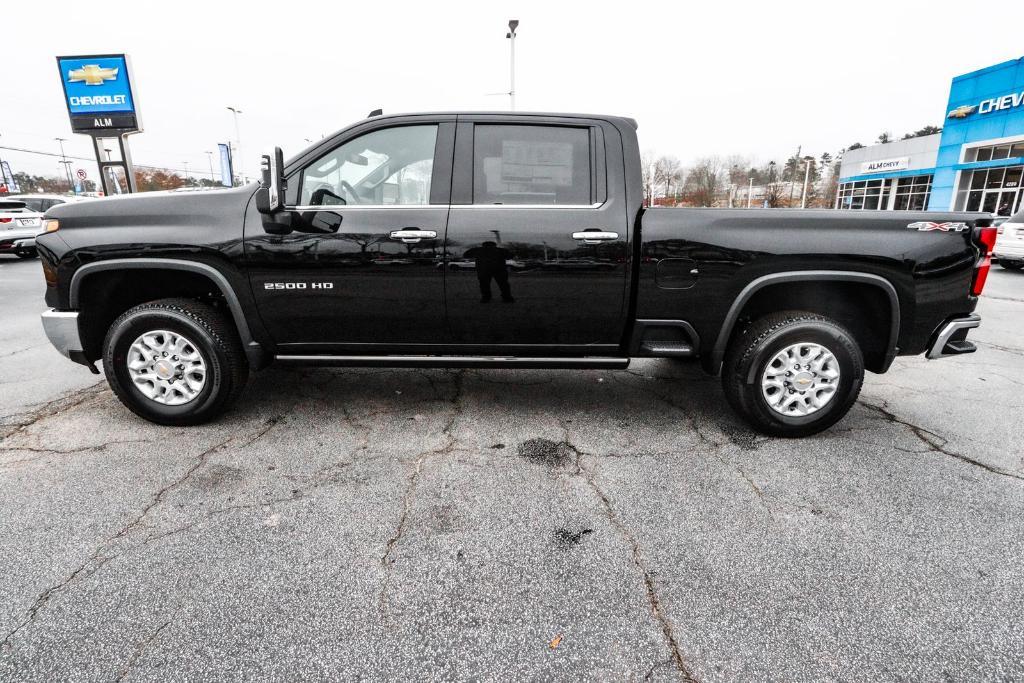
(174, 361)
(793, 373)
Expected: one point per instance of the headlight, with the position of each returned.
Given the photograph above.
(51, 225)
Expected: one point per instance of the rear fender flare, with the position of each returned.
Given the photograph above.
(718, 351)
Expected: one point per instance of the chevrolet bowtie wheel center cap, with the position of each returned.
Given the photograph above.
(800, 379)
(166, 367)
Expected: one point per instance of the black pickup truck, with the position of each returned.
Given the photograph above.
(498, 240)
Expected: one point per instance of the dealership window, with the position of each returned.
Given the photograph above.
(1008, 150)
(993, 190)
(865, 194)
(912, 193)
(905, 194)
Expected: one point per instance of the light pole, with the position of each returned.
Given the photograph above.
(238, 145)
(513, 24)
(209, 157)
(807, 175)
(750, 190)
(67, 164)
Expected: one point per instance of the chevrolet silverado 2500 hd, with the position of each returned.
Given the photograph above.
(498, 240)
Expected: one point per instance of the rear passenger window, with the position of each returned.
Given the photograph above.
(531, 165)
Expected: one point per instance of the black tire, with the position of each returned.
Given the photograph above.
(1012, 265)
(212, 334)
(756, 346)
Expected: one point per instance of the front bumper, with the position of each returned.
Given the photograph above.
(951, 339)
(62, 330)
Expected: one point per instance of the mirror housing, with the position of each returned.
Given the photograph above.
(270, 195)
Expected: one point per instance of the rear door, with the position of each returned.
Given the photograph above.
(537, 245)
(362, 270)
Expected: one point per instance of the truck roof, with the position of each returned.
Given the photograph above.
(517, 114)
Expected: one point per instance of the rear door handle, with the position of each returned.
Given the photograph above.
(595, 236)
(413, 235)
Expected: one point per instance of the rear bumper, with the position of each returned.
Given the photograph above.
(17, 243)
(951, 339)
(61, 329)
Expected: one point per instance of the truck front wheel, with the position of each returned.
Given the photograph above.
(174, 361)
(793, 373)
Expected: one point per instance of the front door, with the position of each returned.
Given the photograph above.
(537, 258)
(362, 269)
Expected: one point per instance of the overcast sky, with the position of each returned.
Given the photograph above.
(752, 78)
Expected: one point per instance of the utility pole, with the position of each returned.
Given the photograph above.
(67, 164)
(513, 24)
(750, 191)
(791, 174)
(807, 175)
(238, 146)
(209, 156)
(186, 173)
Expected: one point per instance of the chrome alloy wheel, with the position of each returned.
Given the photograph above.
(800, 380)
(166, 367)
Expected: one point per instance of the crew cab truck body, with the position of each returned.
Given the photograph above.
(497, 240)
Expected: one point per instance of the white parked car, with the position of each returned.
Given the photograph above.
(1009, 249)
(19, 226)
(42, 202)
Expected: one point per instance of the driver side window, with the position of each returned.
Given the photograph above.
(385, 167)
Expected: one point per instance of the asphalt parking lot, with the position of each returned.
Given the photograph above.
(372, 524)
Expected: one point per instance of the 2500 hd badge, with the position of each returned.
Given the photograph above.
(419, 218)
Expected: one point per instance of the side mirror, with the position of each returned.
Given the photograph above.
(270, 196)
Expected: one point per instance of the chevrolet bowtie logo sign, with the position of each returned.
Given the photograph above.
(91, 74)
(962, 112)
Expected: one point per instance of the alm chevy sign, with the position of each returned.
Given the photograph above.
(882, 165)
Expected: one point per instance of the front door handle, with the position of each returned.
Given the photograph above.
(413, 235)
(593, 236)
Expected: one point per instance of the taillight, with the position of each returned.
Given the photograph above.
(6, 220)
(985, 238)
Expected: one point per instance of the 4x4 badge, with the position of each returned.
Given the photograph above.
(925, 226)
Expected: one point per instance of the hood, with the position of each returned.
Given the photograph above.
(155, 208)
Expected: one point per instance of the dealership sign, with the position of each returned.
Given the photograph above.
(98, 93)
(881, 165)
(992, 104)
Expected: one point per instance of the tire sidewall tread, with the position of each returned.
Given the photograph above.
(208, 329)
(755, 345)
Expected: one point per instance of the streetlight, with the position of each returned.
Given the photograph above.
(513, 24)
(209, 157)
(807, 175)
(67, 164)
(238, 144)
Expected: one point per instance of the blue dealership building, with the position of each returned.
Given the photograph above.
(975, 164)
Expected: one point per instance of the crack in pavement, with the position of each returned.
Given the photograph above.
(935, 443)
(388, 559)
(999, 347)
(43, 452)
(49, 409)
(27, 348)
(140, 648)
(657, 611)
(96, 561)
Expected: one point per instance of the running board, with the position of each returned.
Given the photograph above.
(598, 363)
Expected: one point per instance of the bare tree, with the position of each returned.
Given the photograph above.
(648, 174)
(705, 181)
(667, 174)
